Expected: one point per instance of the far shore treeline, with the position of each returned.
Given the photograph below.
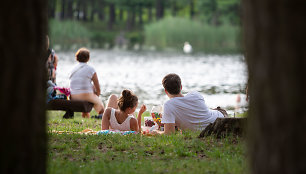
(210, 26)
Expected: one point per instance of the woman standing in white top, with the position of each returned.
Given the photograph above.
(84, 83)
(122, 118)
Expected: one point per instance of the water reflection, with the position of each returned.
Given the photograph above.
(218, 78)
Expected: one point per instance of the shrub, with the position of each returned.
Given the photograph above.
(67, 33)
(172, 32)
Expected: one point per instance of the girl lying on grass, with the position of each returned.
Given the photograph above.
(122, 118)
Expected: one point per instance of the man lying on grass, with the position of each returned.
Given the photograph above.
(187, 112)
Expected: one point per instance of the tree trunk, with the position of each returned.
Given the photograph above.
(192, 9)
(120, 14)
(130, 20)
(69, 9)
(85, 10)
(92, 15)
(159, 9)
(22, 94)
(140, 20)
(51, 8)
(78, 9)
(101, 10)
(112, 16)
(223, 127)
(63, 12)
(150, 15)
(92, 10)
(274, 34)
(174, 8)
(215, 18)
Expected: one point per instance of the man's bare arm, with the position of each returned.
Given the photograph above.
(169, 128)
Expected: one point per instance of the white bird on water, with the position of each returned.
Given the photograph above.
(187, 48)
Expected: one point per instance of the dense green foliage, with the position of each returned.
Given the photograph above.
(173, 32)
(178, 153)
(209, 21)
(218, 12)
(69, 33)
(138, 12)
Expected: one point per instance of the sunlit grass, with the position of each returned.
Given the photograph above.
(177, 153)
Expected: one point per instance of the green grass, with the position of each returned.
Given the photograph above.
(178, 153)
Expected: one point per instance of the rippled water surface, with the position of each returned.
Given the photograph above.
(220, 79)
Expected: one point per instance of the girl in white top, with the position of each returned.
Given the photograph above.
(81, 79)
(122, 118)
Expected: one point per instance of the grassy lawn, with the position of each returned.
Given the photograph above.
(178, 153)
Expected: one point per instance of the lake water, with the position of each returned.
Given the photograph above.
(220, 79)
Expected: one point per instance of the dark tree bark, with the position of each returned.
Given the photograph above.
(150, 14)
(101, 10)
(140, 20)
(159, 9)
(78, 9)
(120, 14)
(215, 18)
(174, 8)
(223, 127)
(51, 8)
(69, 9)
(93, 10)
(130, 23)
(85, 11)
(92, 15)
(274, 34)
(112, 16)
(22, 94)
(191, 3)
(63, 9)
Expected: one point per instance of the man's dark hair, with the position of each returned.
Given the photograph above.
(172, 83)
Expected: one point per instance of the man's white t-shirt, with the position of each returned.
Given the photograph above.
(189, 112)
(81, 78)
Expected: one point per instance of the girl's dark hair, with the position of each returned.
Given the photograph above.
(82, 55)
(127, 100)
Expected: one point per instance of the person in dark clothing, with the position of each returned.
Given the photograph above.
(51, 63)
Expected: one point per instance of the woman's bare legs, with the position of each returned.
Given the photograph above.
(85, 114)
(92, 98)
(113, 101)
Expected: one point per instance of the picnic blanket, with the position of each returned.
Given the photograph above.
(105, 132)
(85, 131)
(101, 132)
(92, 132)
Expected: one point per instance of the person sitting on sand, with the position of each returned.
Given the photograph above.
(118, 115)
(81, 79)
(187, 112)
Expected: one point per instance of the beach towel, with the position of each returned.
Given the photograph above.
(105, 132)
